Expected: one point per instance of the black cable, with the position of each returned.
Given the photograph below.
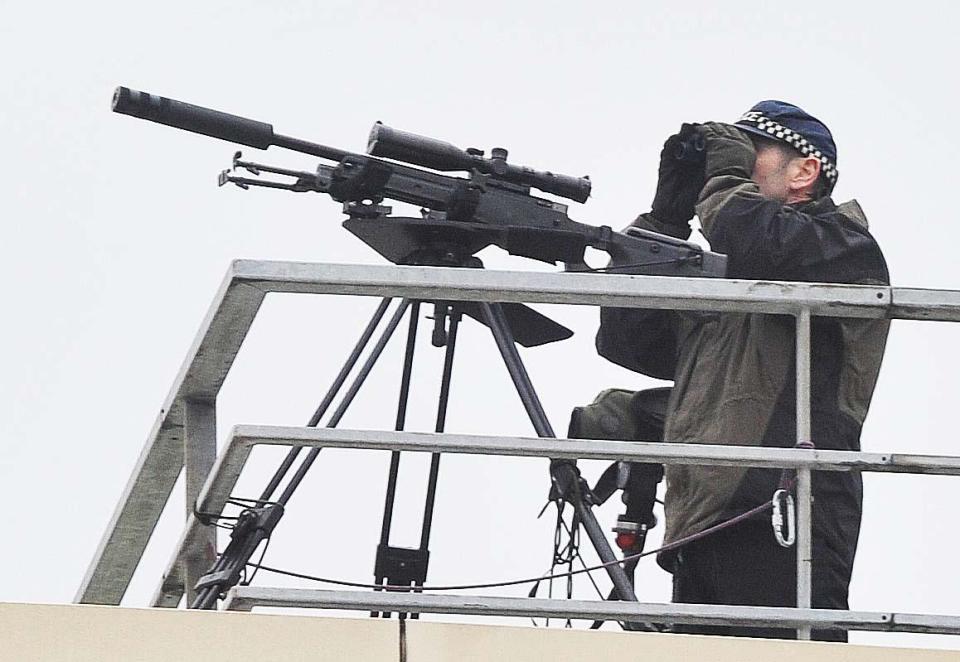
(243, 502)
(210, 519)
(637, 265)
(584, 564)
(569, 553)
(528, 580)
(213, 519)
(573, 554)
(256, 568)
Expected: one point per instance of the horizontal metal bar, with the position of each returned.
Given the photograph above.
(588, 449)
(245, 598)
(921, 304)
(454, 284)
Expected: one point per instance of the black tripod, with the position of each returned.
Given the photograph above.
(398, 566)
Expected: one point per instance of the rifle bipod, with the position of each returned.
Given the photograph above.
(398, 566)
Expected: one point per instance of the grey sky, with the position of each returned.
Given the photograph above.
(117, 238)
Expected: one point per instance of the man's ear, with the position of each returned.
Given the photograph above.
(805, 173)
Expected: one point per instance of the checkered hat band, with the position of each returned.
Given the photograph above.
(792, 138)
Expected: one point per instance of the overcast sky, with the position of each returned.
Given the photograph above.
(117, 239)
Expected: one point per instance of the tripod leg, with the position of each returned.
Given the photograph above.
(225, 570)
(451, 343)
(328, 398)
(396, 565)
(455, 316)
(400, 422)
(563, 473)
(347, 399)
(391, 493)
(630, 568)
(493, 313)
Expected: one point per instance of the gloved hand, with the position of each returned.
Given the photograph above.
(729, 150)
(680, 181)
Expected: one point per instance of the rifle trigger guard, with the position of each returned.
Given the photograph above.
(606, 234)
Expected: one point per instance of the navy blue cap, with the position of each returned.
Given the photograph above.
(787, 123)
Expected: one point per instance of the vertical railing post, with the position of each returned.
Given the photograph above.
(199, 453)
(804, 492)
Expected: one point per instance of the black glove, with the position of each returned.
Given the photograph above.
(681, 179)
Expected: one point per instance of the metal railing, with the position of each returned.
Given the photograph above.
(185, 431)
(244, 438)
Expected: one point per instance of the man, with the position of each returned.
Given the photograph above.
(763, 199)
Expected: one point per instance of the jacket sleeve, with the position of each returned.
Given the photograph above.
(764, 239)
(641, 340)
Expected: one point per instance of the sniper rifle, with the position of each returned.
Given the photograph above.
(459, 216)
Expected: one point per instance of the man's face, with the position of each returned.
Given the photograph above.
(771, 172)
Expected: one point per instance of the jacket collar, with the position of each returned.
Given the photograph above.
(823, 205)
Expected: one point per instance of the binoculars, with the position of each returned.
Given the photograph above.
(691, 148)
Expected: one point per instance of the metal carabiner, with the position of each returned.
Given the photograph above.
(784, 517)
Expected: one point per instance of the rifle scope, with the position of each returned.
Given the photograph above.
(436, 154)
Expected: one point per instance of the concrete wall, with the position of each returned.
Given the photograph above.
(81, 633)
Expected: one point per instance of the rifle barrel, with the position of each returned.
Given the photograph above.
(213, 123)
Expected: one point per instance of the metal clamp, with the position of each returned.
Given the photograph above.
(784, 517)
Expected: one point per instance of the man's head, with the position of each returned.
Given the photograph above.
(796, 155)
